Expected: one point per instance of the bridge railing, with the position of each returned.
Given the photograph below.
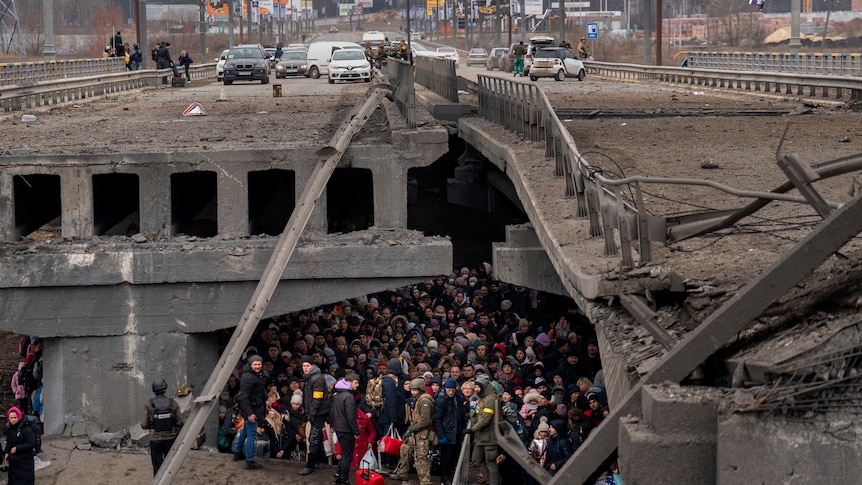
(816, 86)
(399, 74)
(613, 205)
(20, 73)
(823, 63)
(438, 75)
(20, 97)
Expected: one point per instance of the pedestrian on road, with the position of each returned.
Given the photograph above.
(519, 51)
(583, 49)
(162, 418)
(18, 454)
(252, 403)
(185, 60)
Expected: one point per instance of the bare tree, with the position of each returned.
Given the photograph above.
(735, 22)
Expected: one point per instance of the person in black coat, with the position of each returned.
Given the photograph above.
(252, 404)
(18, 454)
(558, 449)
(317, 404)
(343, 419)
(448, 424)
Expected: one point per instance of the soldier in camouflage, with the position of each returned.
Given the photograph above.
(419, 437)
(485, 452)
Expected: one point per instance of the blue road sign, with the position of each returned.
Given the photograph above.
(592, 30)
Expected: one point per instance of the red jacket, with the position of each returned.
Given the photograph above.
(367, 436)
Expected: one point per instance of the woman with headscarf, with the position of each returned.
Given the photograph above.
(20, 443)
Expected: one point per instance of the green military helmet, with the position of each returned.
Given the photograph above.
(417, 383)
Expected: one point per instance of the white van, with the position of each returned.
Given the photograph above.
(320, 54)
(376, 38)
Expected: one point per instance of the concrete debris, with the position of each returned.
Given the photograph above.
(108, 440)
(139, 238)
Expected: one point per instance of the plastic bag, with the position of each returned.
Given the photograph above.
(369, 461)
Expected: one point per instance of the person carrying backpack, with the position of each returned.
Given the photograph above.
(162, 418)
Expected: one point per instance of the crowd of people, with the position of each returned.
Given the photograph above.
(430, 365)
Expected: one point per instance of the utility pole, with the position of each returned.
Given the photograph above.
(203, 29)
(647, 32)
(658, 31)
(48, 49)
(143, 42)
(247, 38)
(795, 42)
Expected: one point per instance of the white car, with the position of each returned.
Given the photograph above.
(448, 53)
(220, 64)
(558, 63)
(349, 65)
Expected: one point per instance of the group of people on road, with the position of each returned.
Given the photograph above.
(432, 363)
(22, 432)
(519, 51)
(161, 56)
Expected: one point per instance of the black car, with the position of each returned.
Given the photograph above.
(246, 62)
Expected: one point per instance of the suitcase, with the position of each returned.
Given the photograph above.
(368, 477)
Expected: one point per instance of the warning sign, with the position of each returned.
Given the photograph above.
(195, 109)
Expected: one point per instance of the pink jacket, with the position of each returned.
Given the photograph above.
(19, 390)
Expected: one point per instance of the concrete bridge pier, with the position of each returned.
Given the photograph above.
(100, 384)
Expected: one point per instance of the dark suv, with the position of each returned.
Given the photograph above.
(246, 62)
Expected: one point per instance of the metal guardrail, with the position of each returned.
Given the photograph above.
(841, 88)
(438, 75)
(824, 64)
(53, 92)
(399, 75)
(20, 73)
(524, 108)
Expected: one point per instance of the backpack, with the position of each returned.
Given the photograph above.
(23, 345)
(374, 392)
(27, 378)
(517, 422)
(36, 424)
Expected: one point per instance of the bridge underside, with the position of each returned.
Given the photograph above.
(99, 312)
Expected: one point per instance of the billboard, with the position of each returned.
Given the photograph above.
(533, 7)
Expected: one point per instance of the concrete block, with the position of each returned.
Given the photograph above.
(669, 408)
(648, 458)
(757, 449)
(136, 433)
(77, 429)
(108, 440)
(522, 235)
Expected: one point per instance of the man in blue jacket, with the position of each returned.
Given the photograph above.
(448, 423)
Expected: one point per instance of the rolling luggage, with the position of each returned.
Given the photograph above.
(365, 476)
